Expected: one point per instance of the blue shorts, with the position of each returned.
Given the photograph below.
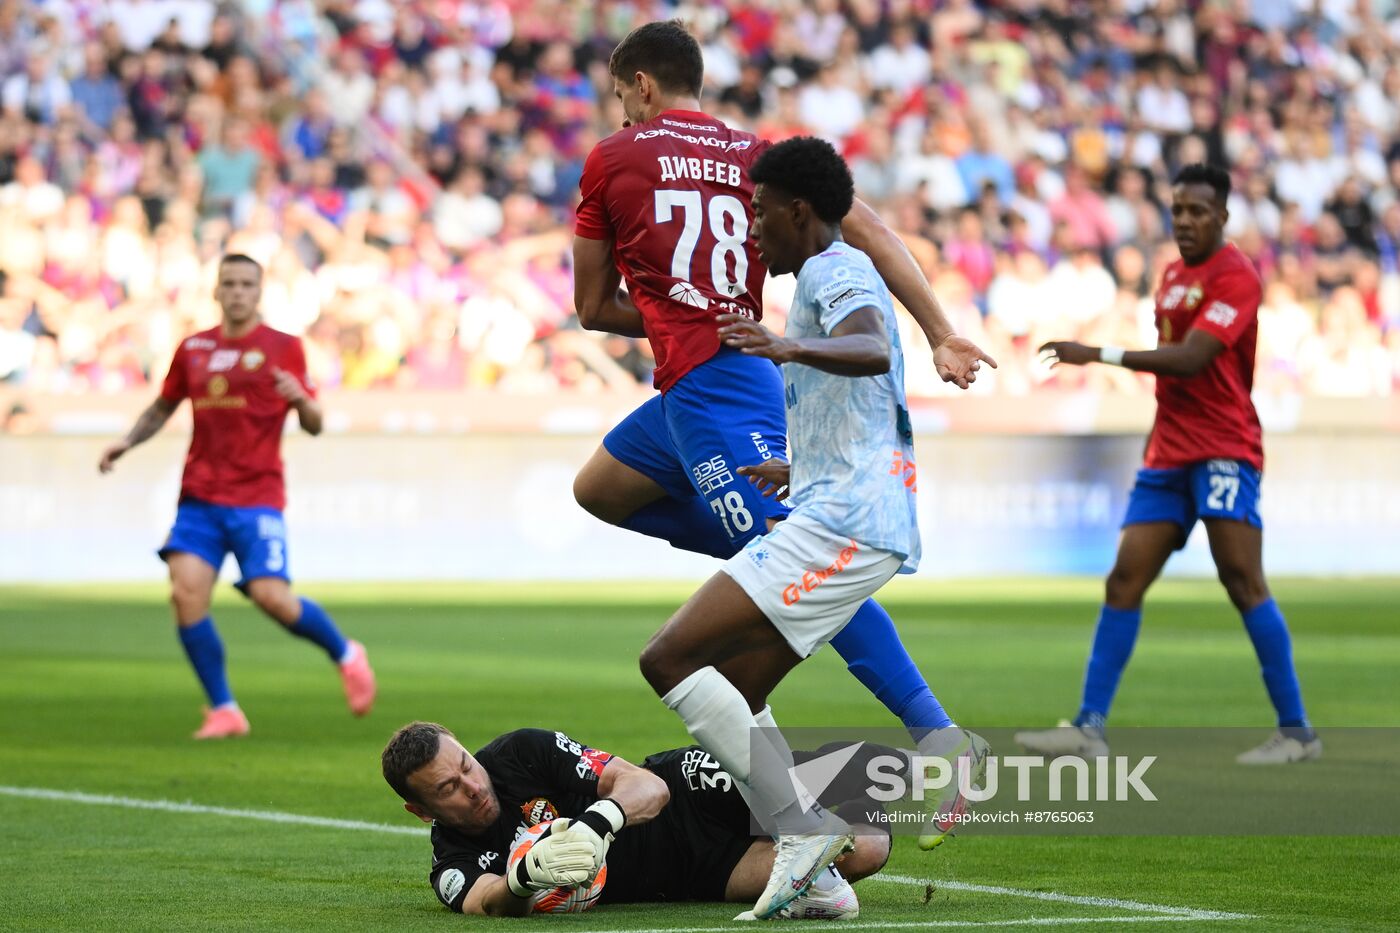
(725, 413)
(257, 536)
(1227, 489)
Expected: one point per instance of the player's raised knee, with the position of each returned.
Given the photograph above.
(658, 666)
(871, 853)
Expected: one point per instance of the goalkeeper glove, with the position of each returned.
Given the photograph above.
(558, 860)
(599, 825)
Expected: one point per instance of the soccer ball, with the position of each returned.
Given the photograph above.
(562, 900)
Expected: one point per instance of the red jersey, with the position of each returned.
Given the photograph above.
(673, 195)
(1209, 415)
(235, 455)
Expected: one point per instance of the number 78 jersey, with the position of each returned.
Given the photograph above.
(673, 194)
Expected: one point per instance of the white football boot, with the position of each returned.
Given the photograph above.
(1065, 739)
(1282, 749)
(830, 897)
(797, 860)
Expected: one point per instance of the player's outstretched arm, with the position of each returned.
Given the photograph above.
(858, 346)
(147, 424)
(599, 303)
(1187, 358)
(957, 359)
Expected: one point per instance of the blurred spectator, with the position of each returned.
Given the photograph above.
(407, 173)
(228, 166)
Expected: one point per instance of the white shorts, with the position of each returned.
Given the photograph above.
(808, 580)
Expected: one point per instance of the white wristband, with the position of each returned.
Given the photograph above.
(1113, 356)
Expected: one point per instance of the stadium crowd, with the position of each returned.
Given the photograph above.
(406, 173)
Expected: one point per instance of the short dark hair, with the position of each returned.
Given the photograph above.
(411, 748)
(241, 257)
(811, 169)
(1199, 173)
(664, 50)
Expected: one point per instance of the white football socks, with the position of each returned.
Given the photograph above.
(716, 714)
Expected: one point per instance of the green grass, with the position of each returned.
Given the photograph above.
(95, 696)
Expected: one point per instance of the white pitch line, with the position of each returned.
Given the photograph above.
(1191, 913)
(172, 806)
(1145, 911)
(935, 924)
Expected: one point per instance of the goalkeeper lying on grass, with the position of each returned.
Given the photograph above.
(673, 829)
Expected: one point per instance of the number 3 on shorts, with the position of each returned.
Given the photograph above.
(731, 509)
(1224, 486)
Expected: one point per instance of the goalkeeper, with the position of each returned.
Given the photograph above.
(673, 829)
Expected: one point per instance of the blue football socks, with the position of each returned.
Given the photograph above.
(870, 646)
(1113, 644)
(205, 650)
(1269, 632)
(686, 523)
(316, 626)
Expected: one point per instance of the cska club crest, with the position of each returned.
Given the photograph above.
(253, 359)
(538, 810)
(1193, 297)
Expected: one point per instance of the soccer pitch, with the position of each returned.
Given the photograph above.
(96, 699)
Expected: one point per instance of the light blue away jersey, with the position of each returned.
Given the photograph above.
(851, 444)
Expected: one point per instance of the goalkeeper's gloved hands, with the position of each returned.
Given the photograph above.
(560, 859)
(598, 825)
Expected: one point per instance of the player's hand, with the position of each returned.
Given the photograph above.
(770, 477)
(598, 826)
(748, 336)
(1068, 352)
(557, 860)
(958, 359)
(111, 455)
(288, 386)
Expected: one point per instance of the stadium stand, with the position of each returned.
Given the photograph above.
(406, 172)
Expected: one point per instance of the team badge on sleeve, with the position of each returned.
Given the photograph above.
(592, 762)
(1222, 314)
(450, 884)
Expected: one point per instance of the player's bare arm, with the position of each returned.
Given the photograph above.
(490, 896)
(147, 424)
(1187, 358)
(308, 410)
(858, 346)
(771, 477)
(640, 793)
(957, 359)
(627, 795)
(598, 300)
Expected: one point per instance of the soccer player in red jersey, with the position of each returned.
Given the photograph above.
(241, 378)
(1204, 459)
(666, 206)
